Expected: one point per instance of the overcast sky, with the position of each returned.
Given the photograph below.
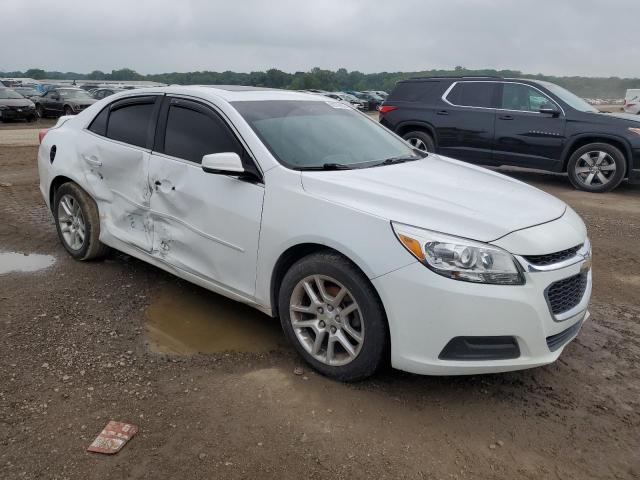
(563, 37)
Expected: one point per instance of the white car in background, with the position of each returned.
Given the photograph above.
(366, 248)
(632, 101)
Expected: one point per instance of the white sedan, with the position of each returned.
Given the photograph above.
(367, 249)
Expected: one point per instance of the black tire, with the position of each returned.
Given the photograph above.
(580, 180)
(68, 110)
(39, 111)
(418, 137)
(374, 345)
(91, 247)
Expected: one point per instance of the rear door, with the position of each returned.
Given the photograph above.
(116, 160)
(524, 136)
(205, 224)
(466, 120)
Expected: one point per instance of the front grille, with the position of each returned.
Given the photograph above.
(554, 342)
(551, 258)
(566, 294)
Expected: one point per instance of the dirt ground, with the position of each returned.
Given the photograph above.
(84, 343)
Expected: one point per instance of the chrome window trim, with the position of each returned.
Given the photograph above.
(448, 90)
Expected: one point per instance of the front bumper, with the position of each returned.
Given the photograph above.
(426, 311)
(17, 113)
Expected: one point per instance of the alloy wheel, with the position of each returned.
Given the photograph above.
(71, 221)
(326, 320)
(595, 168)
(417, 143)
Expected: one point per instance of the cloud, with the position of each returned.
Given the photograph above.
(564, 37)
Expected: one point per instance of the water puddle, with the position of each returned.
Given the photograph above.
(24, 262)
(189, 320)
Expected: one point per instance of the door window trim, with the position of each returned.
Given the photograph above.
(161, 126)
(500, 83)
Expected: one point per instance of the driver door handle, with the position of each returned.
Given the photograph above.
(506, 117)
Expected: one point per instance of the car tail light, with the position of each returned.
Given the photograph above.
(387, 108)
(41, 134)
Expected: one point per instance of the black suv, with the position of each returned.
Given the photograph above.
(527, 123)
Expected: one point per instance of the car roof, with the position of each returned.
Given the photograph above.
(230, 93)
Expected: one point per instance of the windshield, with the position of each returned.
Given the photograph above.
(569, 98)
(75, 94)
(7, 93)
(308, 134)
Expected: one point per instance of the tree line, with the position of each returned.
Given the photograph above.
(341, 79)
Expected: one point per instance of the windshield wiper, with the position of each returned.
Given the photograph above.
(394, 160)
(327, 166)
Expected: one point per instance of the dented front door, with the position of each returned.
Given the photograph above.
(206, 224)
(118, 175)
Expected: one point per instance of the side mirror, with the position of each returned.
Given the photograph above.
(223, 163)
(549, 110)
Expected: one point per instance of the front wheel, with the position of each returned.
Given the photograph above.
(596, 167)
(78, 222)
(332, 315)
(420, 140)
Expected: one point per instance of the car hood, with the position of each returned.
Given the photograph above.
(16, 102)
(85, 101)
(624, 116)
(440, 194)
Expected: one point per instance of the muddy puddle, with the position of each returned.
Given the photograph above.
(24, 262)
(190, 320)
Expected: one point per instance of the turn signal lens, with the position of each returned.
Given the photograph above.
(635, 130)
(412, 245)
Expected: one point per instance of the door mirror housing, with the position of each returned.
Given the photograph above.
(227, 163)
(549, 110)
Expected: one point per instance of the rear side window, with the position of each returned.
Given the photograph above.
(472, 94)
(412, 91)
(130, 121)
(99, 124)
(191, 134)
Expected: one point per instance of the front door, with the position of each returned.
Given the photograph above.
(524, 136)
(205, 224)
(465, 121)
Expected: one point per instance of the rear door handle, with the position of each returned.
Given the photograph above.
(442, 112)
(92, 160)
(506, 117)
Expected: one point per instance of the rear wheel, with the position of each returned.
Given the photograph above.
(78, 222)
(332, 315)
(596, 167)
(420, 140)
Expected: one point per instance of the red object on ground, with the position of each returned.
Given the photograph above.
(113, 437)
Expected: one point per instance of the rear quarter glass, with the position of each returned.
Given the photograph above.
(413, 91)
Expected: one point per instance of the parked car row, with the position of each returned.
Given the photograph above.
(366, 100)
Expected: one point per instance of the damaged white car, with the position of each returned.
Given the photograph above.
(366, 248)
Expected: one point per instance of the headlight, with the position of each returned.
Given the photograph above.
(459, 258)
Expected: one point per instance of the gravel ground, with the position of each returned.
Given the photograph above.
(79, 346)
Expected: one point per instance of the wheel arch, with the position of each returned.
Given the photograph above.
(296, 252)
(585, 139)
(411, 125)
(56, 183)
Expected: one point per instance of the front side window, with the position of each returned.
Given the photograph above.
(569, 98)
(192, 134)
(312, 134)
(472, 94)
(74, 94)
(516, 96)
(130, 122)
